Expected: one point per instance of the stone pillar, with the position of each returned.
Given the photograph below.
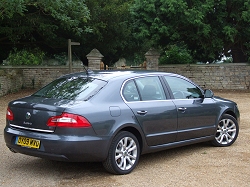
(94, 59)
(152, 58)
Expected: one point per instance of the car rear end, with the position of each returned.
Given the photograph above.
(39, 126)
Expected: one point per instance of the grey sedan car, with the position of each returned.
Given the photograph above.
(115, 116)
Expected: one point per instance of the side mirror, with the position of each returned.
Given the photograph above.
(208, 94)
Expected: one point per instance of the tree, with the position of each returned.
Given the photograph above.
(112, 34)
(42, 23)
(209, 28)
(176, 55)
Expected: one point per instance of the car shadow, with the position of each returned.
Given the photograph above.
(75, 170)
(176, 153)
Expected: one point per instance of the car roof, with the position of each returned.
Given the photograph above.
(107, 75)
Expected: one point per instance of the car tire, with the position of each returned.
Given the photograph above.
(227, 131)
(123, 154)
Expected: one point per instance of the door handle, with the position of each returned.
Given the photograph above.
(142, 112)
(182, 109)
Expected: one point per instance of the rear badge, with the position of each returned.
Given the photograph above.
(27, 123)
(28, 115)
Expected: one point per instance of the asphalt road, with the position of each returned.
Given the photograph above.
(196, 165)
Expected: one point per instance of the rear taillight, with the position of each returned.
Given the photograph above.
(9, 114)
(68, 120)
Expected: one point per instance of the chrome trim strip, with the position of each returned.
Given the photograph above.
(33, 129)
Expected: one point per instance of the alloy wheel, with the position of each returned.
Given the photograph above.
(126, 153)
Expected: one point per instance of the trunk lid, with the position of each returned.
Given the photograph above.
(32, 113)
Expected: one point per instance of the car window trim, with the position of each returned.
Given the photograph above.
(160, 77)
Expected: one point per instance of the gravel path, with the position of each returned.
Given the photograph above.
(196, 165)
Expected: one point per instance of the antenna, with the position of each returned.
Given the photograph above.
(87, 70)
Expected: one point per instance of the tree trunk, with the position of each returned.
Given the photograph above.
(238, 54)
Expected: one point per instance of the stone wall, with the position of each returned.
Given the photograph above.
(222, 76)
(215, 76)
(13, 79)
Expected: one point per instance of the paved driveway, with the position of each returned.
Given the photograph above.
(196, 165)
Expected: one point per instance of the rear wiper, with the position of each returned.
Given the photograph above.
(92, 95)
(89, 97)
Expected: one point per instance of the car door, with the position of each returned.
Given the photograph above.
(196, 115)
(157, 115)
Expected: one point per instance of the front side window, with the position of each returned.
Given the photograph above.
(182, 89)
(73, 88)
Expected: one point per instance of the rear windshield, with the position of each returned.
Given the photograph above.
(73, 88)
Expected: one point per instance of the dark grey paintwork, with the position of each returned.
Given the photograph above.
(166, 124)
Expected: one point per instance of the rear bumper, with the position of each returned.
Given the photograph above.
(60, 147)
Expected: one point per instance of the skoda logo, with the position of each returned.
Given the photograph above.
(28, 115)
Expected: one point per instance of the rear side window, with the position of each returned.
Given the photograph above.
(144, 89)
(73, 88)
(130, 92)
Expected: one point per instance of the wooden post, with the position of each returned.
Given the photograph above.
(70, 53)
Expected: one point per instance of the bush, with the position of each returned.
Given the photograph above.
(176, 55)
(61, 58)
(26, 57)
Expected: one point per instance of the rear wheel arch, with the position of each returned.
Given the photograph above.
(136, 133)
(123, 154)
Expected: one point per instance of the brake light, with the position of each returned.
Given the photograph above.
(68, 120)
(9, 114)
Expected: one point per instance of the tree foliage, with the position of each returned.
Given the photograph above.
(210, 28)
(176, 54)
(41, 22)
(105, 25)
(112, 34)
(25, 57)
(204, 29)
